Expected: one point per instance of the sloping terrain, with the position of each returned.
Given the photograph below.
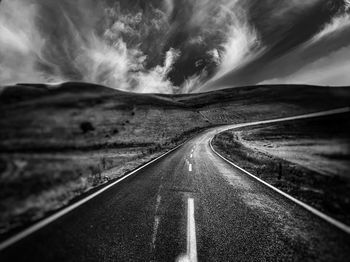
(320, 144)
(308, 158)
(57, 142)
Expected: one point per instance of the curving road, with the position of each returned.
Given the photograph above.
(189, 205)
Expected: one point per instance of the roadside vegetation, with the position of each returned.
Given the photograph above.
(308, 159)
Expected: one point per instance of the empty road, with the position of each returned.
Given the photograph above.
(189, 205)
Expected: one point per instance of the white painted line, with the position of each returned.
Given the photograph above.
(155, 230)
(190, 167)
(191, 156)
(191, 252)
(156, 219)
(314, 211)
(159, 198)
(311, 115)
(32, 229)
(191, 232)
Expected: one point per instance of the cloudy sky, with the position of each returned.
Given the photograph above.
(175, 46)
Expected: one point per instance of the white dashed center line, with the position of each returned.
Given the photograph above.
(191, 253)
(190, 167)
(191, 232)
(155, 229)
(159, 198)
(156, 220)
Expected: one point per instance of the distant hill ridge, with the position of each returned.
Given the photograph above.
(288, 93)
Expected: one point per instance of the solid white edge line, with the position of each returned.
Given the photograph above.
(298, 117)
(39, 225)
(314, 211)
(191, 232)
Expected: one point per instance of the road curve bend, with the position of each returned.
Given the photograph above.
(190, 205)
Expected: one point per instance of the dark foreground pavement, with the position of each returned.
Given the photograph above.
(145, 218)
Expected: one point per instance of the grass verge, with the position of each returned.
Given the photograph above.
(327, 193)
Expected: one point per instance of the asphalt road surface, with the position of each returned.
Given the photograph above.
(188, 206)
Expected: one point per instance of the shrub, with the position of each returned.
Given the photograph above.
(86, 127)
(104, 163)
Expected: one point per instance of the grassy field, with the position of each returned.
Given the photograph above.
(59, 142)
(309, 159)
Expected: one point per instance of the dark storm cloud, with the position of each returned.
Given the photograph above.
(287, 37)
(171, 45)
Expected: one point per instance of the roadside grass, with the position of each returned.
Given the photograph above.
(34, 184)
(328, 193)
(41, 183)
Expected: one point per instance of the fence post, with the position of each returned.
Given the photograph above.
(279, 171)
